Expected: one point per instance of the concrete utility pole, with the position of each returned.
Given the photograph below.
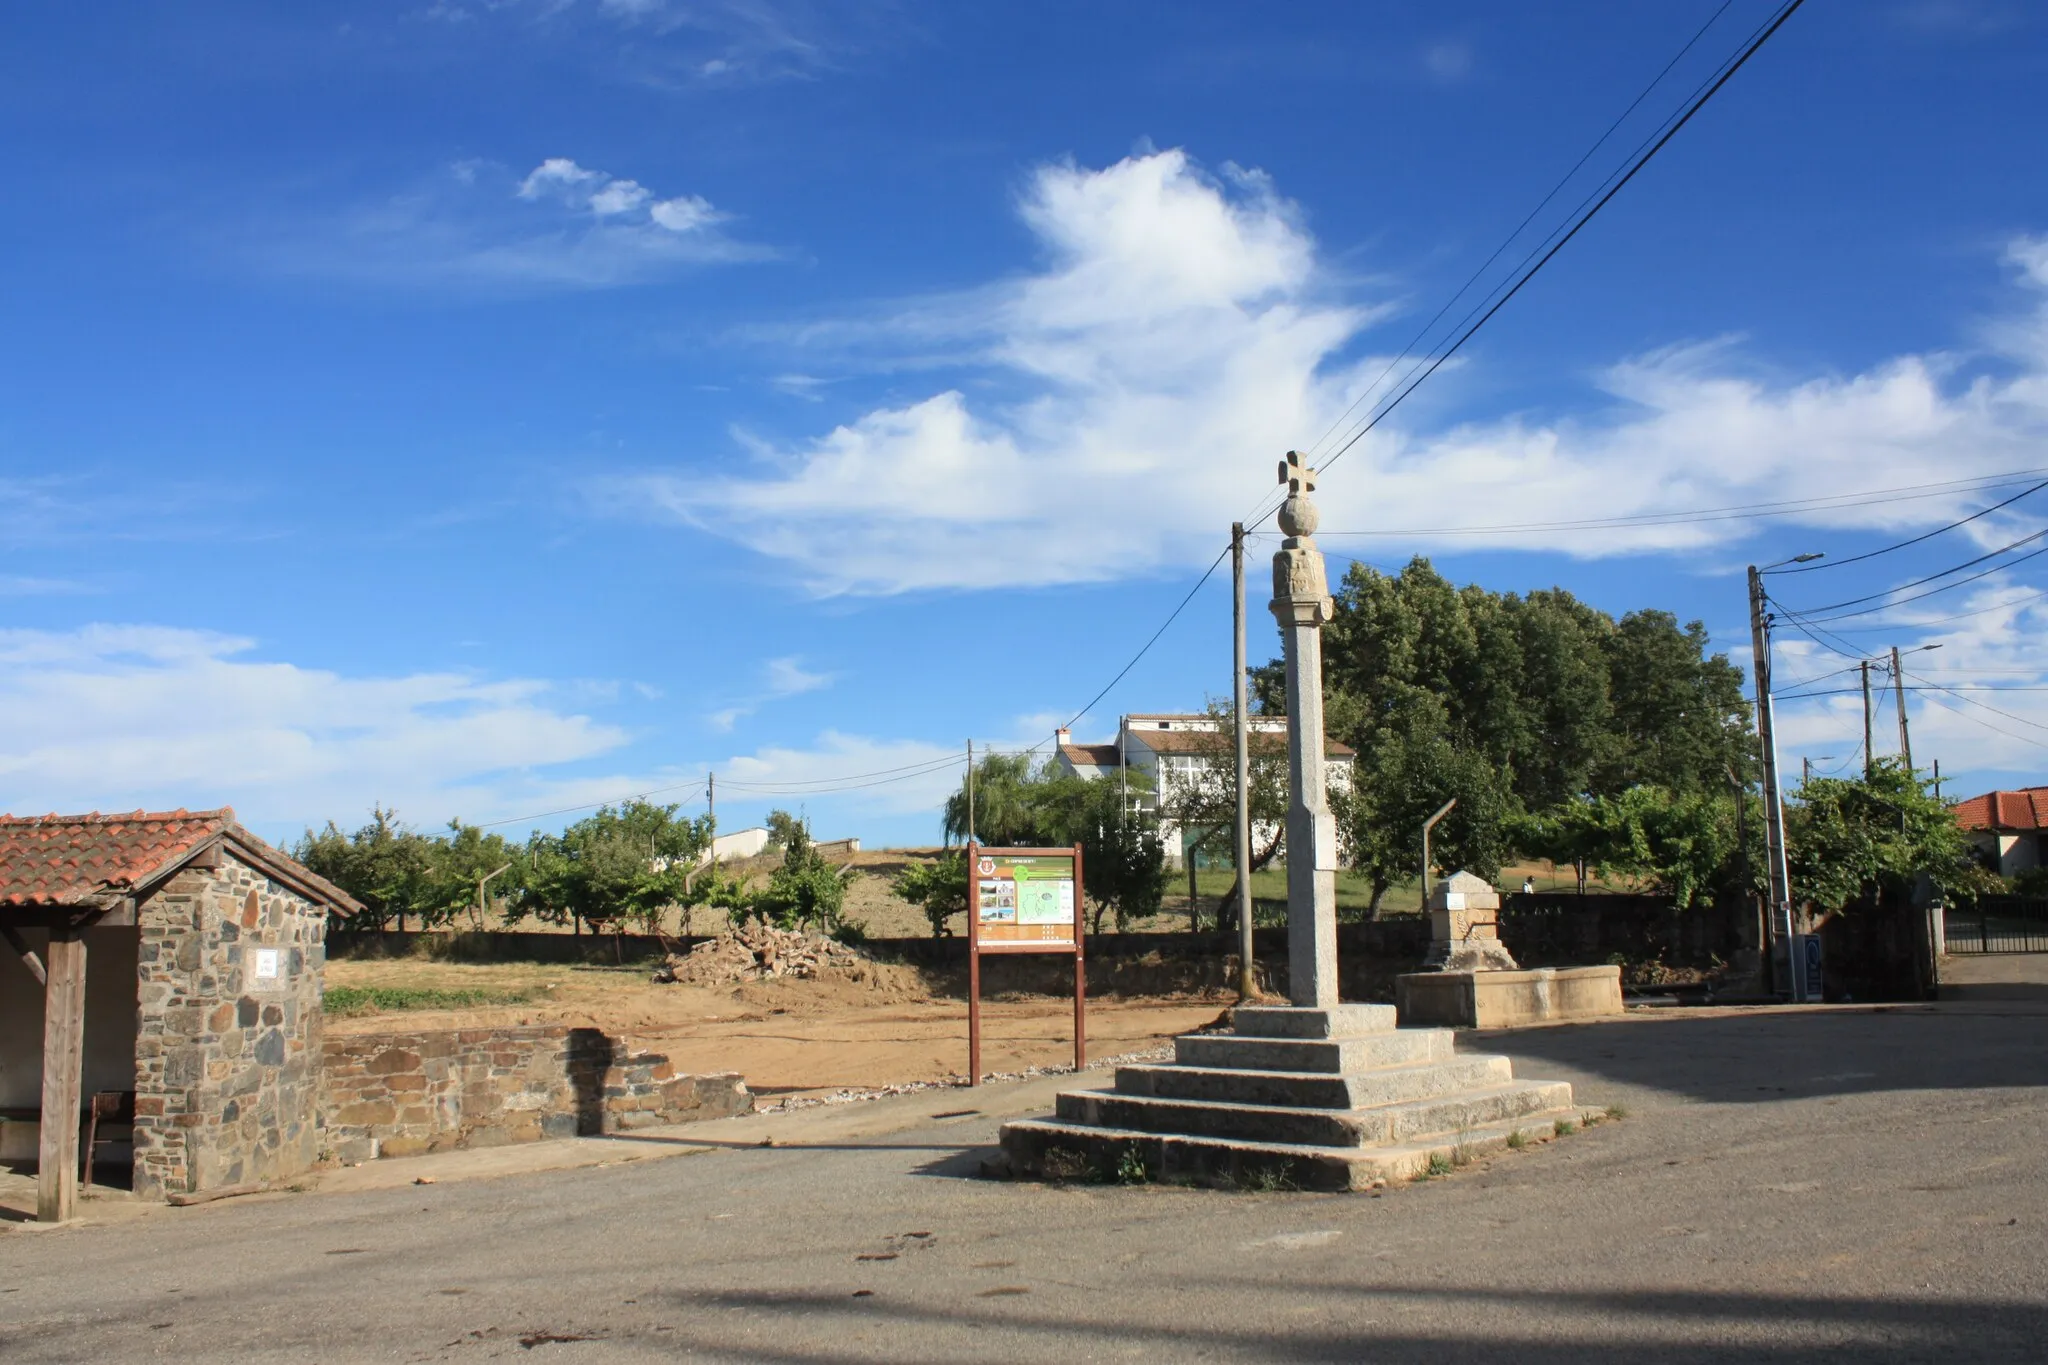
(1301, 603)
(1247, 984)
(1869, 754)
(1937, 779)
(1774, 806)
(1899, 691)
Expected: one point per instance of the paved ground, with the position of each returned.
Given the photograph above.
(1842, 1184)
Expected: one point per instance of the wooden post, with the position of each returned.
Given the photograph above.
(973, 942)
(63, 1063)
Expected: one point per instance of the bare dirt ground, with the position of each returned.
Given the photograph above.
(785, 1036)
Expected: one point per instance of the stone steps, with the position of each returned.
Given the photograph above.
(1291, 1098)
(1333, 1056)
(1315, 1090)
(1075, 1151)
(1379, 1125)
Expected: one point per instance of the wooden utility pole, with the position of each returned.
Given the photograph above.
(1247, 984)
(1869, 754)
(1899, 692)
(1774, 805)
(1937, 779)
(970, 793)
(63, 1063)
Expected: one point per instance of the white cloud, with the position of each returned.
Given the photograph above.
(116, 717)
(561, 225)
(1183, 335)
(784, 677)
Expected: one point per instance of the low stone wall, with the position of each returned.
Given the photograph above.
(401, 1094)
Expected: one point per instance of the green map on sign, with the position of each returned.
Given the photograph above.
(1045, 902)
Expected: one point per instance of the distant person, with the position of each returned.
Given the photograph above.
(1528, 886)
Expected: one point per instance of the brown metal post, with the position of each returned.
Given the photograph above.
(973, 961)
(63, 1063)
(1080, 972)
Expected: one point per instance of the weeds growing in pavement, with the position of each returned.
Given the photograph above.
(1564, 1127)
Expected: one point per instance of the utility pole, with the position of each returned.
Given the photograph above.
(970, 794)
(1869, 755)
(1774, 804)
(1805, 771)
(1937, 779)
(1247, 986)
(711, 802)
(1899, 691)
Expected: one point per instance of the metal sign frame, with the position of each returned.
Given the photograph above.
(976, 946)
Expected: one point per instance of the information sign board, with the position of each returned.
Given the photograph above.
(1023, 900)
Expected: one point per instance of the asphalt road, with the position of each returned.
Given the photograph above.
(1837, 1184)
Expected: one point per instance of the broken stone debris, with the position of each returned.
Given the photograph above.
(756, 950)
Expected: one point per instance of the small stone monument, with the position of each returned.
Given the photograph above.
(1464, 927)
(1470, 980)
(1312, 1094)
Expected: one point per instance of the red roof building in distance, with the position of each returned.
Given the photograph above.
(2007, 827)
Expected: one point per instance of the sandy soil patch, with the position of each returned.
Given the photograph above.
(784, 1036)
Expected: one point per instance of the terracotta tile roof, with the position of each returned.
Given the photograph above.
(2026, 808)
(87, 860)
(1217, 742)
(1089, 755)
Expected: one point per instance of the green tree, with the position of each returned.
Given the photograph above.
(1407, 768)
(623, 865)
(1850, 842)
(939, 888)
(1006, 810)
(805, 889)
(781, 826)
(389, 867)
(1688, 845)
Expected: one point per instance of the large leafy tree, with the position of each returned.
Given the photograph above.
(622, 866)
(1852, 842)
(1689, 845)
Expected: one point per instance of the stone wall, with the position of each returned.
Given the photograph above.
(228, 1045)
(401, 1094)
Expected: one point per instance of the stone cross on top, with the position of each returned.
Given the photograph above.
(1298, 477)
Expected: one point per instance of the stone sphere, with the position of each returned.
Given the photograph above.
(1298, 516)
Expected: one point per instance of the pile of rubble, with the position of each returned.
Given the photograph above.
(754, 951)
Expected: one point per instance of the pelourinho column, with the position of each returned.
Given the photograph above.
(1301, 601)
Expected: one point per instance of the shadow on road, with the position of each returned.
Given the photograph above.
(1503, 1326)
(1788, 1055)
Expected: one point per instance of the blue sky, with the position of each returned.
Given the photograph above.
(491, 408)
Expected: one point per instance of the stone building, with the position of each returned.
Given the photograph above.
(198, 1029)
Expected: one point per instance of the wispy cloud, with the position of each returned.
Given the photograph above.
(113, 717)
(475, 226)
(784, 677)
(1185, 334)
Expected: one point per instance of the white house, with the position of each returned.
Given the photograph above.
(1173, 750)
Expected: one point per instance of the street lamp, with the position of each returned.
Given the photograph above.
(1806, 558)
(1806, 767)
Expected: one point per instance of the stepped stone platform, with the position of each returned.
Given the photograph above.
(1326, 1099)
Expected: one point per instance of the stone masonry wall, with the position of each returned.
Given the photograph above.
(401, 1094)
(226, 1056)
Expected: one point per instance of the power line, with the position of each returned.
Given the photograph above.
(1939, 530)
(1699, 102)
(1946, 587)
(1995, 729)
(1509, 240)
(1944, 620)
(1739, 511)
(1974, 702)
(1147, 646)
(1956, 568)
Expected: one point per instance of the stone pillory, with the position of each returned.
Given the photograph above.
(1315, 1093)
(201, 1029)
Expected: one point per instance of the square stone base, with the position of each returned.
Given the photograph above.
(1544, 995)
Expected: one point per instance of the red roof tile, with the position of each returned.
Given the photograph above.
(2026, 808)
(1207, 741)
(84, 860)
(1089, 755)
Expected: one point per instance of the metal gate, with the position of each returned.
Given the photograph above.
(1997, 924)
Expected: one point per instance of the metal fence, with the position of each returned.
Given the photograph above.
(1997, 924)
